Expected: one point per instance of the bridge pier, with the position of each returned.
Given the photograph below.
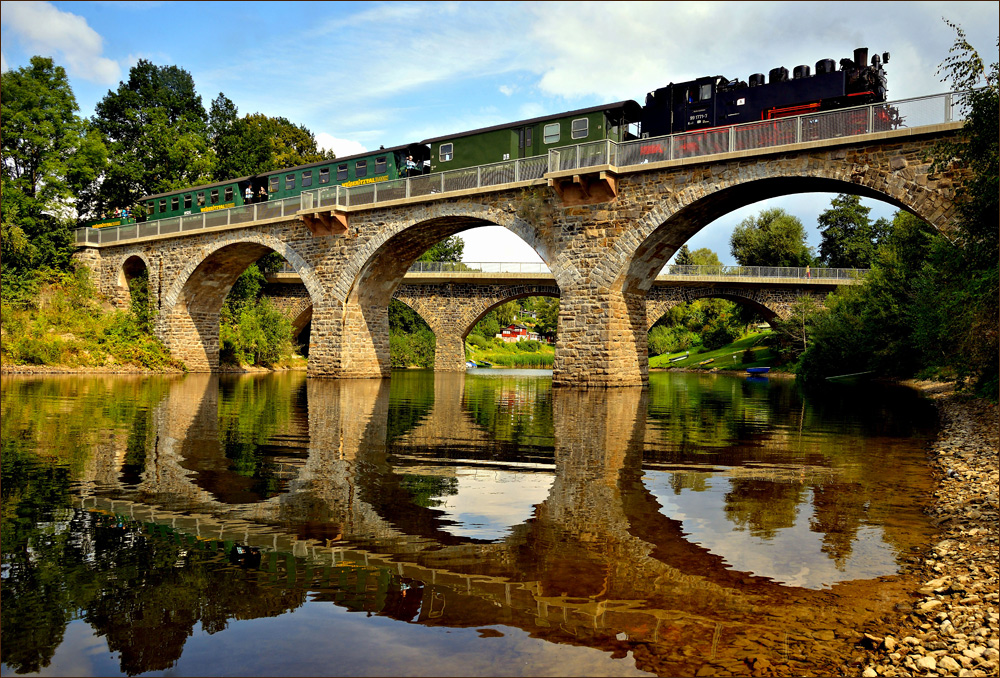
(602, 338)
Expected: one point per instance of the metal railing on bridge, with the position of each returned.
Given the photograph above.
(906, 113)
(672, 270)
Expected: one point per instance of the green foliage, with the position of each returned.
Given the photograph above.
(930, 304)
(795, 333)
(156, 130)
(255, 333)
(62, 324)
(50, 155)
(750, 356)
(772, 238)
(671, 339)
(720, 332)
(683, 257)
(850, 238)
(412, 350)
(257, 143)
(449, 249)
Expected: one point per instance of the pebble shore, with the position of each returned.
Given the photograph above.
(952, 627)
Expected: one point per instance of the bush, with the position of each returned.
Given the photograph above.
(479, 341)
(749, 356)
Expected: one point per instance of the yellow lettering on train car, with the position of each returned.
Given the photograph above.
(361, 182)
(218, 207)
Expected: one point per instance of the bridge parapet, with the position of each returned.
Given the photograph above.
(923, 115)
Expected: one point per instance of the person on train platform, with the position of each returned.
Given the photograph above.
(248, 195)
(262, 195)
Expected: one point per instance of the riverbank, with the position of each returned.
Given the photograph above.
(951, 627)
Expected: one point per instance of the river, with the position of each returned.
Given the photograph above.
(453, 524)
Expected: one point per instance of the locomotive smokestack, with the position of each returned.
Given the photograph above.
(860, 57)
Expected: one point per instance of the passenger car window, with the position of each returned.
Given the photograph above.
(175, 204)
(341, 172)
(380, 165)
(201, 199)
(446, 152)
(324, 175)
(307, 179)
(163, 205)
(360, 169)
(229, 193)
(289, 182)
(272, 184)
(187, 201)
(215, 196)
(580, 129)
(550, 133)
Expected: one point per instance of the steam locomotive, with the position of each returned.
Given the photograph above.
(705, 104)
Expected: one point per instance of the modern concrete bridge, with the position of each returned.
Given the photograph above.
(603, 223)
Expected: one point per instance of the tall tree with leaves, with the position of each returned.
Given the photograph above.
(850, 238)
(772, 238)
(49, 155)
(969, 277)
(157, 134)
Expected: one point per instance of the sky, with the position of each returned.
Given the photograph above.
(364, 74)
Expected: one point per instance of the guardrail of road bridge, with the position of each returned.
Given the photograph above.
(906, 113)
(673, 270)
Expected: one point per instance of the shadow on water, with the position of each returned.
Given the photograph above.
(480, 525)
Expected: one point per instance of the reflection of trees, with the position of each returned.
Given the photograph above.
(252, 410)
(425, 489)
(762, 506)
(145, 587)
(517, 411)
(838, 512)
(411, 399)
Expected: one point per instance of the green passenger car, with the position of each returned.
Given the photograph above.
(533, 137)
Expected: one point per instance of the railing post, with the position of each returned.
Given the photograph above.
(798, 129)
(479, 176)
(947, 107)
(871, 119)
(670, 147)
(732, 139)
(406, 191)
(374, 193)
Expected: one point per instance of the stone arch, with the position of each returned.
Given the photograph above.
(769, 302)
(713, 192)
(422, 227)
(370, 276)
(188, 322)
(453, 310)
(130, 266)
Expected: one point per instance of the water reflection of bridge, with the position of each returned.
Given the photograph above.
(597, 558)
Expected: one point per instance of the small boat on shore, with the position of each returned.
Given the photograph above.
(469, 364)
(484, 364)
(758, 370)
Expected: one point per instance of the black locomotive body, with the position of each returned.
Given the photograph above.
(716, 101)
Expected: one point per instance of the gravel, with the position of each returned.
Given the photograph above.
(953, 627)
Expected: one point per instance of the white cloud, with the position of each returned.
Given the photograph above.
(342, 147)
(507, 90)
(66, 37)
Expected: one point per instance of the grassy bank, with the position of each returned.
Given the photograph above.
(62, 324)
(524, 354)
(728, 357)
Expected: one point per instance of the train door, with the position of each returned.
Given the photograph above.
(525, 141)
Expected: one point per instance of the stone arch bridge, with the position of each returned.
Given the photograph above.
(452, 302)
(603, 231)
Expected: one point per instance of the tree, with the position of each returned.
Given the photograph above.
(157, 134)
(241, 149)
(683, 257)
(449, 249)
(49, 156)
(849, 236)
(968, 274)
(772, 238)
